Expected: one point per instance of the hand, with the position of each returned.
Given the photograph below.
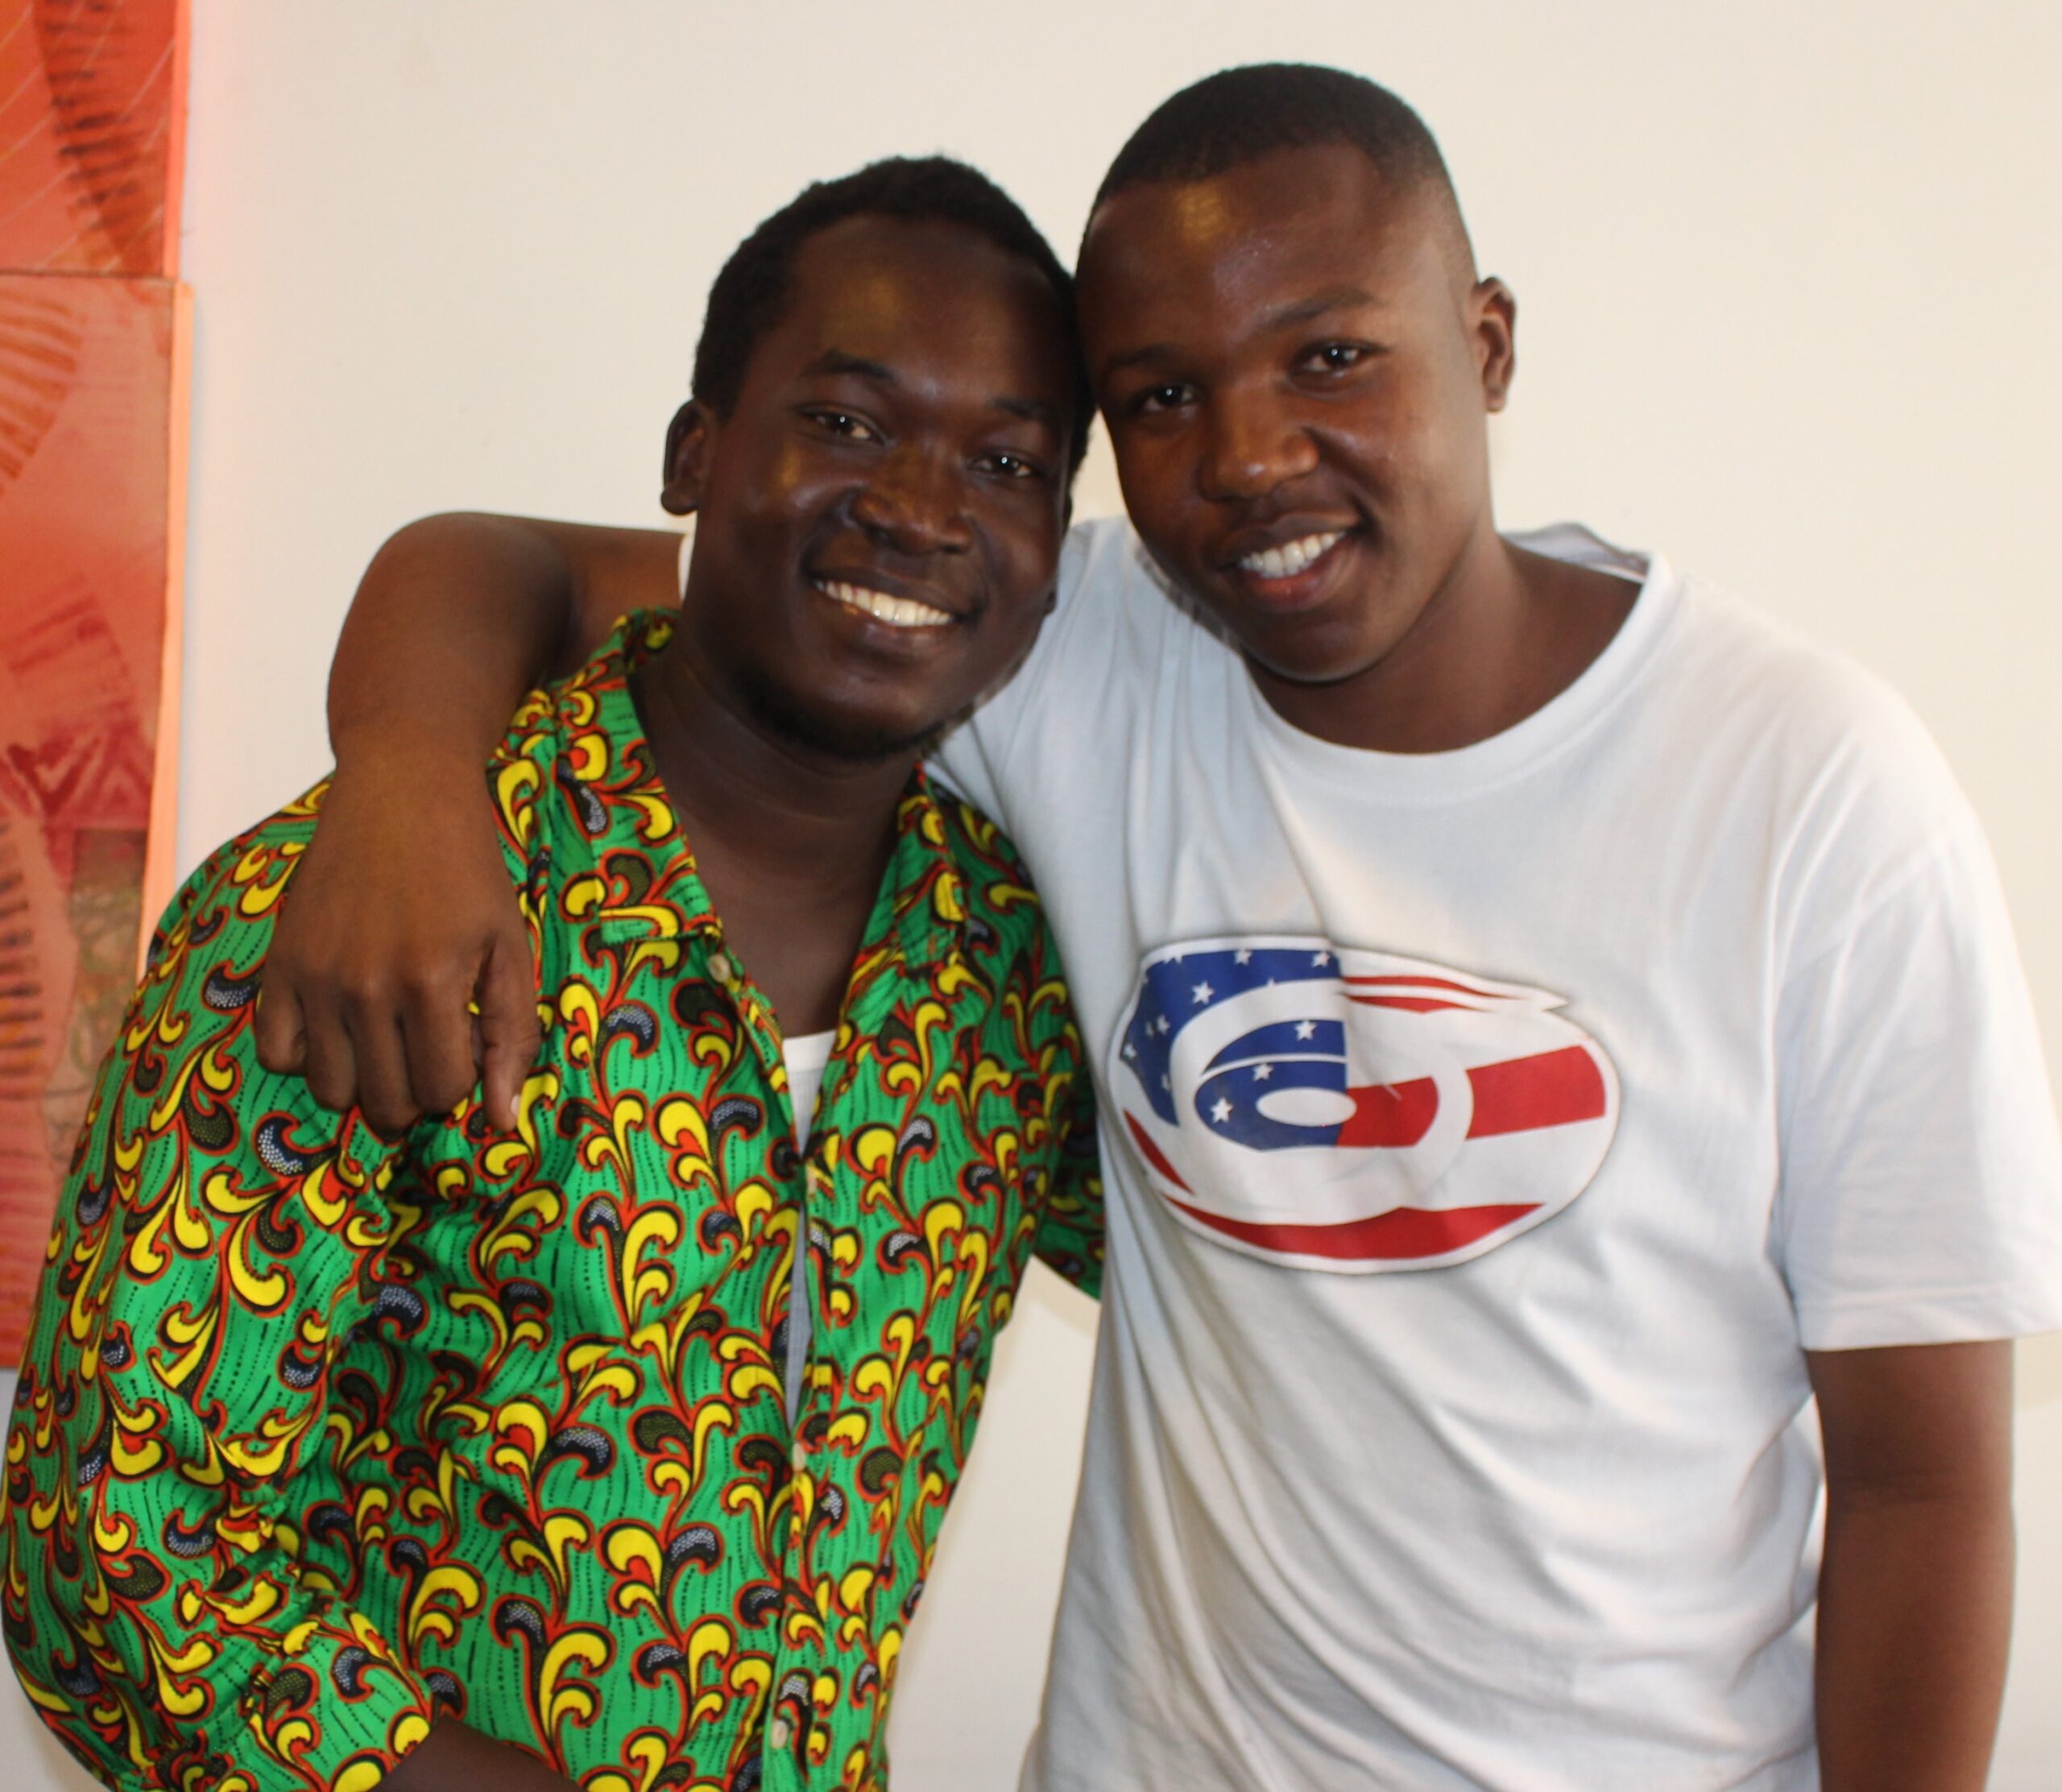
(401, 912)
(453, 1758)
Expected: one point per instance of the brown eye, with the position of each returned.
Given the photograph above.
(1335, 358)
(1010, 467)
(844, 424)
(1158, 399)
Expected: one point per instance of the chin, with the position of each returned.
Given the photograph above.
(838, 731)
(1315, 655)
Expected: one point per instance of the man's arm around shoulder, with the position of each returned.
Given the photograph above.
(402, 915)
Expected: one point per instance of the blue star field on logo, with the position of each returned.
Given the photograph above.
(1176, 990)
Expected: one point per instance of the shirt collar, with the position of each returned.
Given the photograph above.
(620, 860)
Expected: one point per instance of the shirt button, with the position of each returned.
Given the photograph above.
(798, 1457)
(779, 1732)
(721, 969)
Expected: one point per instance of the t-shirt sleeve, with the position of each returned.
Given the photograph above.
(1921, 1192)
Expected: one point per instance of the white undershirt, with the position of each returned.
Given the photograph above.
(806, 1059)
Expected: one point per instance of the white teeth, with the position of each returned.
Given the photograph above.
(897, 612)
(1291, 557)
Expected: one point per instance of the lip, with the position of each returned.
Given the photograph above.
(869, 578)
(1279, 533)
(1299, 590)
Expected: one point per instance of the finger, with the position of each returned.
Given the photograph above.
(330, 1066)
(383, 1064)
(509, 1033)
(278, 1030)
(436, 1034)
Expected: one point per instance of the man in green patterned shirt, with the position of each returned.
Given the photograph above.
(604, 1439)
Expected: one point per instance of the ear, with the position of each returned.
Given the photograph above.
(1493, 315)
(687, 470)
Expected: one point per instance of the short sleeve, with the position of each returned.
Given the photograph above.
(217, 1234)
(1921, 1192)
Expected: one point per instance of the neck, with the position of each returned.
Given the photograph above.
(754, 802)
(1504, 633)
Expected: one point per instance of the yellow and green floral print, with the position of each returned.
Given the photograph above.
(320, 1436)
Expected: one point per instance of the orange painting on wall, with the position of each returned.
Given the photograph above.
(93, 416)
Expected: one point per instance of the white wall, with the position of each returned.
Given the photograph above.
(1784, 273)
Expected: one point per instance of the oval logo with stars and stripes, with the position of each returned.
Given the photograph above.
(1339, 1109)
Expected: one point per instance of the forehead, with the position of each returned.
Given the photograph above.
(931, 301)
(1287, 227)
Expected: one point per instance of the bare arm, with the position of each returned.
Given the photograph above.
(458, 615)
(401, 912)
(1915, 1594)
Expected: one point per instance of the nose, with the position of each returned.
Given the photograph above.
(914, 503)
(1255, 445)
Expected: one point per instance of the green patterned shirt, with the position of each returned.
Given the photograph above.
(318, 1436)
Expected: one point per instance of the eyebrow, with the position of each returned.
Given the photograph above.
(1032, 410)
(1303, 311)
(836, 361)
(1333, 298)
(1134, 357)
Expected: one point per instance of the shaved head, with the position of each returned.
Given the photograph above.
(1243, 115)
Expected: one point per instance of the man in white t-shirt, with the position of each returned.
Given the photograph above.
(1549, 1023)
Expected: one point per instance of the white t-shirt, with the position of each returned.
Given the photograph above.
(1486, 1134)
(806, 1058)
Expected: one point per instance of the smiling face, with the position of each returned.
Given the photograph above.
(1294, 361)
(879, 516)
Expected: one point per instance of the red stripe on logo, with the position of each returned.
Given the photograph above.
(1393, 1114)
(1402, 1233)
(1153, 1155)
(1422, 983)
(1523, 1093)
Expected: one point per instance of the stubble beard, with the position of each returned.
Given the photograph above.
(774, 708)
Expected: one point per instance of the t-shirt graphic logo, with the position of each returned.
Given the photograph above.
(1339, 1109)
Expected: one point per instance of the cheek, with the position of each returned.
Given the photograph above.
(1156, 474)
(1443, 430)
(796, 485)
(768, 496)
(1024, 555)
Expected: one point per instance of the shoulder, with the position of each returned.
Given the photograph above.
(1111, 606)
(231, 899)
(1002, 919)
(1004, 932)
(1850, 751)
(575, 742)
(995, 888)
(1115, 625)
(1726, 728)
(1108, 581)
(1800, 756)
(196, 1002)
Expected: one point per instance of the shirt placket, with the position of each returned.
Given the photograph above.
(791, 1705)
(914, 944)
(918, 952)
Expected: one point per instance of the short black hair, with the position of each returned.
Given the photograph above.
(1238, 115)
(752, 289)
